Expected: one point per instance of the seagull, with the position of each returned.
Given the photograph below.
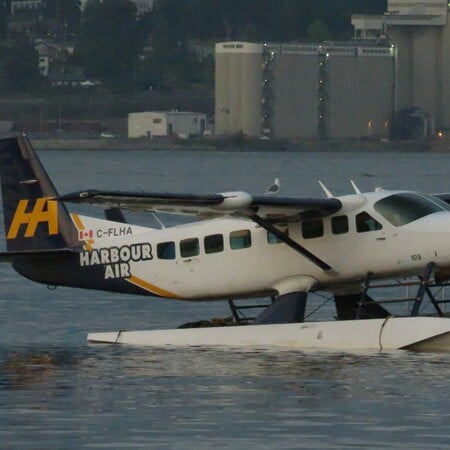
(274, 187)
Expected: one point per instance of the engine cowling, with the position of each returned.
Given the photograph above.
(234, 200)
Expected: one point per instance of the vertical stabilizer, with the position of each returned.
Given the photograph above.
(33, 219)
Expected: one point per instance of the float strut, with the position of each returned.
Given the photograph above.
(363, 297)
(423, 288)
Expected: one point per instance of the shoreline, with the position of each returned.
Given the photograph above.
(255, 145)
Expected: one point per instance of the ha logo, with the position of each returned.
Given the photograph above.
(44, 211)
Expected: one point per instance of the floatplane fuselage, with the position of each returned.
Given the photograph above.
(236, 258)
(242, 246)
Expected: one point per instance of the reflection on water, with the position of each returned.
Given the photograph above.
(110, 397)
(23, 368)
(58, 392)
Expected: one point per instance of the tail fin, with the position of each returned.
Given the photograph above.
(33, 220)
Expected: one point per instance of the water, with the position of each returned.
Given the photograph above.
(58, 392)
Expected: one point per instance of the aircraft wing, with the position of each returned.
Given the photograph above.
(293, 208)
(266, 211)
(236, 203)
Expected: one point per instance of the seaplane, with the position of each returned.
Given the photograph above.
(240, 246)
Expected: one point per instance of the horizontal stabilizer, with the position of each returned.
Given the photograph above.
(33, 254)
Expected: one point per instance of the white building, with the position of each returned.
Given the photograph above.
(166, 123)
(44, 65)
(142, 6)
(17, 5)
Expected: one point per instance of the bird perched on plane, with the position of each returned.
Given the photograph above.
(273, 188)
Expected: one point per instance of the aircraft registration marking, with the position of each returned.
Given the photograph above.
(113, 232)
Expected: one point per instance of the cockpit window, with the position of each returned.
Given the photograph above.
(365, 223)
(400, 209)
(439, 201)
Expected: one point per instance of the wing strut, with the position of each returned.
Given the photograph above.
(291, 243)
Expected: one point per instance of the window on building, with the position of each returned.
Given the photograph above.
(365, 222)
(189, 247)
(166, 250)
(339, 224)
(240, 239)
(213, 243)
(157, 120)
(312, 228)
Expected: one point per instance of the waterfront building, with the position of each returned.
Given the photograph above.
(166, 123)
(420, 30)
(329, 90)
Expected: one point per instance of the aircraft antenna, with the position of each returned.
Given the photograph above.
(158, 220)
(357, 191)
(325, 189)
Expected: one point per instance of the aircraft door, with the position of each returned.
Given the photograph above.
(378, 244)
(189, 252)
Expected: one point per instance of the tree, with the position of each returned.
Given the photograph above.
(21, 67)
(3, 19)
(170, 59)
(318, 32)
(262, 20)
(109, 42)
(65, 14)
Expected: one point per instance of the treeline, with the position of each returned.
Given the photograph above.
(261, 20)
(154, 51)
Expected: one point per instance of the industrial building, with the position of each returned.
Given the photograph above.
(166, 123)
(421, 32)
(329, 90)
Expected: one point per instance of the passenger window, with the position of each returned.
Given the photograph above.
(213, 243)
(273, 239)
(189, 247)
(365, 222)
(312, 228)
(240, 239)
(339, 224)
(166, 250)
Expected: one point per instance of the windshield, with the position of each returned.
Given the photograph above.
(400, 209)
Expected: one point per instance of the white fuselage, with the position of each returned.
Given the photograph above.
(229, 258)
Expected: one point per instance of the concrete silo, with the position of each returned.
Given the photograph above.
(238, 89)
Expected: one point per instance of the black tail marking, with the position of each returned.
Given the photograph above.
(33, 220)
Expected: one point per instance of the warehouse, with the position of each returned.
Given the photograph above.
(166, 123)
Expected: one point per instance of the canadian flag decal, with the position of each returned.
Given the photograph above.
(85, 234)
